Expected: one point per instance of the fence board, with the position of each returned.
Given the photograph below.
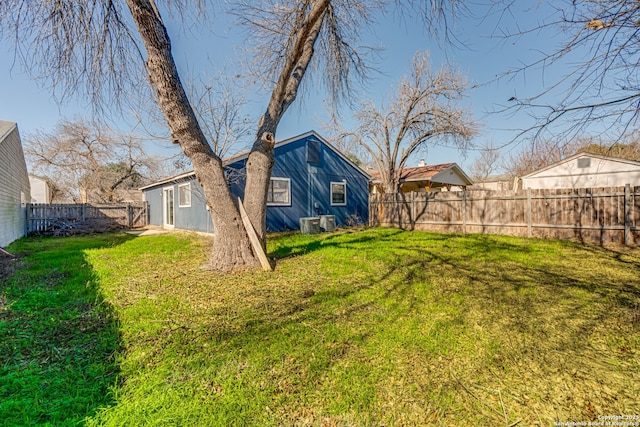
(603, 215)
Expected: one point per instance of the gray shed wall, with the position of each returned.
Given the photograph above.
(14, 184)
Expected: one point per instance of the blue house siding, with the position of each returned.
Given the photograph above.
(310, 165)
(195, 216)
(153, 196)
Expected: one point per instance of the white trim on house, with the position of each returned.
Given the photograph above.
(344, 192)
(169, 179)
(271, 192)
(168, 218)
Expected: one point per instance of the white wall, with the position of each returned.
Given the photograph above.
(14, 184)
(599, 173)
(40, 192)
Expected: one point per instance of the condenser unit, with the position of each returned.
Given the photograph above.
(310, 225)
(327, 222)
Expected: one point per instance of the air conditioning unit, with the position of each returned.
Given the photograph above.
(310, 225)
(327, 222)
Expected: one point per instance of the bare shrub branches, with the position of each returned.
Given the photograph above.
(599, 56)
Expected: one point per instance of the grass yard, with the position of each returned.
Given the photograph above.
(379, 327)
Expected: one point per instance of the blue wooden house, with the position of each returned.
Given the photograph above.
(310, 177)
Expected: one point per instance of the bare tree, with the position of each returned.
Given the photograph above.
(89, 162)
(627, 147)
(219, 107)
(420, 113)
(599, 84)
(91, 42)
(539, 153)
(486, 164)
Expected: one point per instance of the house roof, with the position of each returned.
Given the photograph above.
(583, 154)
(493, 178)
(241, 156)
(5, 128)
(433, 173)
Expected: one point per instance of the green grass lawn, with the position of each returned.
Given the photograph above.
(379, 327)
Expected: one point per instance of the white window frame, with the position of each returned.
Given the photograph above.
(187, 203)
(344, 185)
(288, 202)
(166, 205)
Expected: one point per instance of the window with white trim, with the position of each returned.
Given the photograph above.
(184, 195)
(338, 194)
(279, 192)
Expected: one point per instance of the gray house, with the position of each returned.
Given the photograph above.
(310, 178)
(14, 184)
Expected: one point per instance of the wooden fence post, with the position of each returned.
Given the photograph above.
(528, 212)
(628, 237)
(27, 219)
(412, 214)
(464, 212)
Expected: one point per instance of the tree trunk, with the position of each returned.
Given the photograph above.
(261, 159)
(232, 248)
(259, 166)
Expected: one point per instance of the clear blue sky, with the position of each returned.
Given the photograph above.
(483, 57)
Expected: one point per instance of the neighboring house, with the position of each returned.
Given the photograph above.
(310, 177)
(494, 183)
(40, 190)
(14, 184)
(445, 177)
(585, 170)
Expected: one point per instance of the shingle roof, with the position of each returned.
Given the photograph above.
(5, 127)
(420, 173)
(234, 158)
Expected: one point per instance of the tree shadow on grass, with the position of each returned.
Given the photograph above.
(532, 311)
(343, 238)
(58, 337)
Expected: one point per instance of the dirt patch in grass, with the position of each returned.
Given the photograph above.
(7, 266)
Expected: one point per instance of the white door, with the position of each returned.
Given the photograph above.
(168, 218)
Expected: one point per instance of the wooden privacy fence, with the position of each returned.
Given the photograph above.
(603, 215)
(66, 219)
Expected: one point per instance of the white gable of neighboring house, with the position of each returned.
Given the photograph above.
(14, 184)
(453, 175)
(40, 191)
(585, 170)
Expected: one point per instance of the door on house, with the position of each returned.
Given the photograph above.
(168, 211)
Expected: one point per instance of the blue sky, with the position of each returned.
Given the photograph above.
(483, 57)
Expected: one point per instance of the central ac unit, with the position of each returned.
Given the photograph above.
(327, 222)
(310, 225)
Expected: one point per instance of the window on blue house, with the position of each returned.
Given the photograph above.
(279, 192)
(184, 195)
(338, 194)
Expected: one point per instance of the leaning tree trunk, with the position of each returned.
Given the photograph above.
(261, 160)
(259, 166)
(232, 248)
